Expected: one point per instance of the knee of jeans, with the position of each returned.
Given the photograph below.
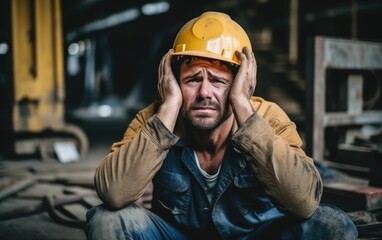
(335, 219)
(332, 213)
(132, 216)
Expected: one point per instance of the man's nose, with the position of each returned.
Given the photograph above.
(205, 89)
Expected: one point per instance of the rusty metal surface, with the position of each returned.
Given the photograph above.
(353, 197)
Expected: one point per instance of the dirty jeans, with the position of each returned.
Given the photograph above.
(135, 222)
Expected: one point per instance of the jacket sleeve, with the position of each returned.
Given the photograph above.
(272, 148)
(126, 171)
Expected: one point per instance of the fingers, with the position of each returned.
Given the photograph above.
(245, 81)
(250, 60)
(167, 86)
(162, 71)
(167, 61)
(247, 56)
(165, 64)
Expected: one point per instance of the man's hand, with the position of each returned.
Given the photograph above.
(169, 93)
(244, 86)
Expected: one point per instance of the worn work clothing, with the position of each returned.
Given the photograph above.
(265, 174)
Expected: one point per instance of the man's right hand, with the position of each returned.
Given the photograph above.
(169, 93)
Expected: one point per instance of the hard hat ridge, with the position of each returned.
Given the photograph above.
(212, 35)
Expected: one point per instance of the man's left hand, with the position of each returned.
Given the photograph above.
(244, 86)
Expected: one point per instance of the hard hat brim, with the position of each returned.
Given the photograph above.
(206, 55)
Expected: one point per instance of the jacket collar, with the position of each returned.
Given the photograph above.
(233, 164)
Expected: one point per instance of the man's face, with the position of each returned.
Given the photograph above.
(205, 86)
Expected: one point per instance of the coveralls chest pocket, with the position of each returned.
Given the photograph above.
(250, 197)
(171, 194)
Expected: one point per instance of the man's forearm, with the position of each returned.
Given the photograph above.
(168, 113)
(288, 175)
(124, 174)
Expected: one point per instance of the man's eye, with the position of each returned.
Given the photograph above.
(193, 80)
(218, 81)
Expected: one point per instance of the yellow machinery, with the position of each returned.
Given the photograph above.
(32, 118)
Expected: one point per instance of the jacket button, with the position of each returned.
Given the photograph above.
(206, 209)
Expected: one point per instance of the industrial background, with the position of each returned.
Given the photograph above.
(73, 73)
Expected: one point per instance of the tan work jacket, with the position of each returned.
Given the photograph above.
(268, 140)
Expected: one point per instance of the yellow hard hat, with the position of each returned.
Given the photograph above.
(213, 35)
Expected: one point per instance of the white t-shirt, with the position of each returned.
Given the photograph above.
(210, 180)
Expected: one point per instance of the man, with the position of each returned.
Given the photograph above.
(223, 164)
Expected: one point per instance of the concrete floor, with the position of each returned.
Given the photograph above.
(41, 225)
(58, 179)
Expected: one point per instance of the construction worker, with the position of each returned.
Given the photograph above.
(224, 164)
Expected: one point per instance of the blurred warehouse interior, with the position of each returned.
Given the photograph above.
(82, 76)
(111, 52)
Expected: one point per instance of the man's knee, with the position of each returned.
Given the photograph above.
(332, 221)
(327, 222)
(104, 222)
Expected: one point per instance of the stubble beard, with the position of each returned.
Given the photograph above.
(205, 122)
